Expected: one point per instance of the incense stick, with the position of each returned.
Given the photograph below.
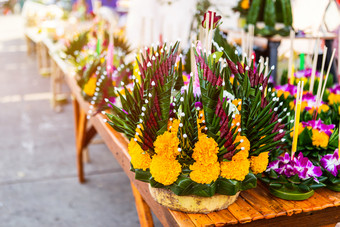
(291, 54)
(315, 61)
(326, 79)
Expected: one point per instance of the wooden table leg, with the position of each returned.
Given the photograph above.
(143, 210)
(80, 122)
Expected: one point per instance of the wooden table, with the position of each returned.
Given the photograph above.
(255, 207)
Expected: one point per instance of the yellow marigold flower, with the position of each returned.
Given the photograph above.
(167, 145)
(258, 164)
(236, 170)
(90, 86)
(300, 127)
(139, 132)
(320, 139)
(322, 107)
(245, 4)
(333, 98)
(238, 103)
(284, 93)
(231, 80)
(164, 170)
(244, 144)
(173, 126)
(204, 174)
(205, 150)
(139, 158)
(237, 120)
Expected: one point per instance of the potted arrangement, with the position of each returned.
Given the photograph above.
(198, 146)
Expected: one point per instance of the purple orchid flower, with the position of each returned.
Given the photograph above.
(298, 165)
(307, 73)
(287, 87)
(319, 125)
(331, 162)
(198, 105)
(335, 90)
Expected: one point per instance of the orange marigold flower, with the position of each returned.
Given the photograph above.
(300, 128)
(237, 121)
(173, 126)
(204, 174)
(320, 139)
(205, 151)
(90, 86)
(259, 163)
(139, 158)
(333, 98)
(164, 170)
(245, 4)
(167, 145)
(244, 145)
(238, 103)
(236, 170)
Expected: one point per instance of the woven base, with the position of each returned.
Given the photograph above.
(192, 204)
(333, 187)
(286, 194)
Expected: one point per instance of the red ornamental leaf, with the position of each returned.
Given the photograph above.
(240, 68)
(229, 155)
(232, 67)
(261, 79)
(279, 136)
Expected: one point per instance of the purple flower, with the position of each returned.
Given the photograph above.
(298, 165)
(335, 90)
(305, 73)
(331, 162)
(287, 87)
(198, 105)
(113, 100)
(318, 124)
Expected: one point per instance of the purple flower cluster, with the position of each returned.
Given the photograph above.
(335, 90)
(319, 126)
(305, 73)
(292, 89)
(331, 162)
(299, 165)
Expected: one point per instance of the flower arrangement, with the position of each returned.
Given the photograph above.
(331, 168)
(101, 67)
(201, 143)
(293, 179)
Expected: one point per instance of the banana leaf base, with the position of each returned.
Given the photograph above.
(291, 194)
(192, 203)
(333, 187)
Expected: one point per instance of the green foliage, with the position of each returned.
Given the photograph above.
(77, 45)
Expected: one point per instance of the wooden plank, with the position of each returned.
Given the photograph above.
(218, 219)
(182, 218)
(323, 203)
(228, 217)
(239, 213)
(330, 195)
(305, 219)
(143, 210)
(201, 220)
(288, 206)
(254, 214)
(262, 203)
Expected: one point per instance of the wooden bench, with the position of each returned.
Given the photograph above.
(255, 207)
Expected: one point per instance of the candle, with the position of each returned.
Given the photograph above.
(297, 117)
(291, 76)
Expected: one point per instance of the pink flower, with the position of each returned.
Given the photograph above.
(211, 15)
(331, 162)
